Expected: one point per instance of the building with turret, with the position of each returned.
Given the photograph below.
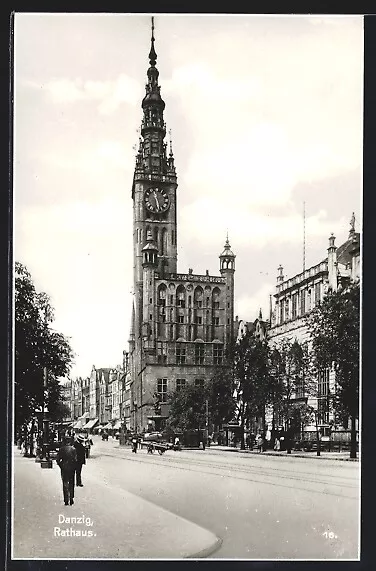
(181, 322)
(295, 298)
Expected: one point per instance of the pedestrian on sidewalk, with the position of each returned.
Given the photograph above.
(66, 460)
(79, 444)
(260, 443)
(134, 444)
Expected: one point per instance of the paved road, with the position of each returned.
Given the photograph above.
(262, 507)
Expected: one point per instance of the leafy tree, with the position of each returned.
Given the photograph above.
(250, 361)
(188, 405)
(290, 376)
(188, 408)
(36, 346)
(335, 331)
(221, 402)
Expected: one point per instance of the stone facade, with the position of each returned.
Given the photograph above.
(297, 296)
(181, 322)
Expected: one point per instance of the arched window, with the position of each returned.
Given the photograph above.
(215, 297)
(180, 296)
(198, 296)
(162, 292)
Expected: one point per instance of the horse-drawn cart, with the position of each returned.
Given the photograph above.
(153, 446)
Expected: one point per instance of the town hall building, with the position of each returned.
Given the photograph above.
(181, 322)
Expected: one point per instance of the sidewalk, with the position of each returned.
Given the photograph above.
(113, 523)
(344, 456)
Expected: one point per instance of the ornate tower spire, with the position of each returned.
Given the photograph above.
(152, 54)
(152, 159)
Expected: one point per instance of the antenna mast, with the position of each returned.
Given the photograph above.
(304, 238)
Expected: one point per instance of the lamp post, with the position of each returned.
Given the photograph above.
(207, 420)
(45, 461)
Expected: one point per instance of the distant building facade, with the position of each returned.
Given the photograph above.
(297, 296)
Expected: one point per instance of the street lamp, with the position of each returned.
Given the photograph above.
(45, 461)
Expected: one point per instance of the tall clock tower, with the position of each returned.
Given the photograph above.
(181, 322)
(154, 187)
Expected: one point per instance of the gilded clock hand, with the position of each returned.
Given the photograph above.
(156, 199)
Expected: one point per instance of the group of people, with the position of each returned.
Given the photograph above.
(70, 459)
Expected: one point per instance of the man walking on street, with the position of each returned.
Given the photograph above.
(81, 458)
(66, 460)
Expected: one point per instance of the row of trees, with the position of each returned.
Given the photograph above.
(37, 346)
(260, 374)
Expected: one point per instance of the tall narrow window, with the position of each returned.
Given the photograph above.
(217, 354)
(287, 310)
(180, 294)
(180, 384)
(294, 305)
(180, 354)
(198, 296)
(162, 389)
(215, 299)
(199, 353)
(302, 302)
(323, 396)
(164, 242)
(317, 293)
(156, 237)
(162, 296)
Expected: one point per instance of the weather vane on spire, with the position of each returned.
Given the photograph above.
(152, 54)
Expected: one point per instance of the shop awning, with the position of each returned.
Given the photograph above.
(81, 421)
(117, 425)
(64, 423)
(90, 424)
(107, 426)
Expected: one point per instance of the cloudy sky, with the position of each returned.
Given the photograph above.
(265, 114)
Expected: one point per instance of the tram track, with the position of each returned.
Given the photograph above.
(254, 474)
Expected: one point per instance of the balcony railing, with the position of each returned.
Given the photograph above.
(322, 267)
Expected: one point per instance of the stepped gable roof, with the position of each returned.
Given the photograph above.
(106, 373)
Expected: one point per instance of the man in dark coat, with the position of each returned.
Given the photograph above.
(79, 445)
(66, 460)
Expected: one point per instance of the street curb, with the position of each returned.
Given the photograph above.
(207, 551)
(285, 455)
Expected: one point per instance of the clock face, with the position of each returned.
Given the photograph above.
(156, 199)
